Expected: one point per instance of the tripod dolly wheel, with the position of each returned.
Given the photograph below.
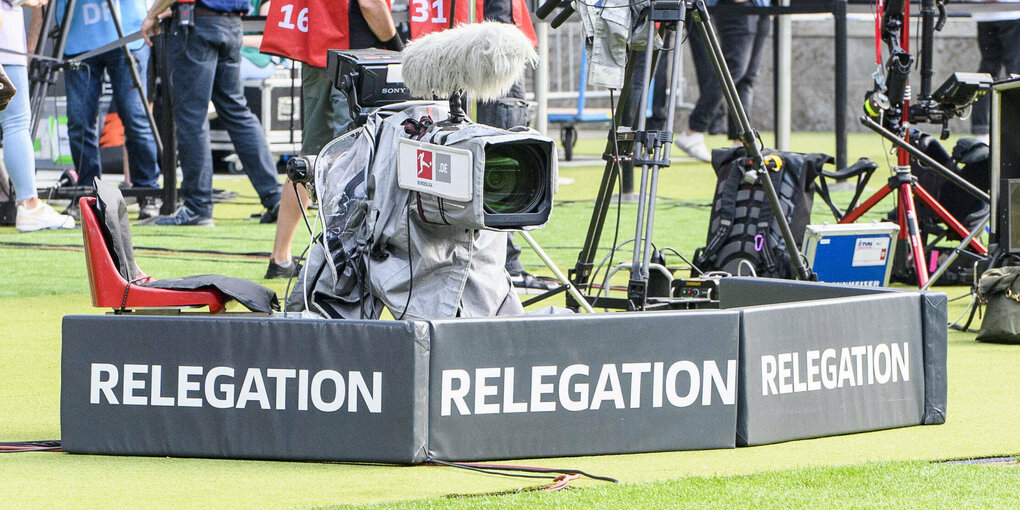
(568, 135)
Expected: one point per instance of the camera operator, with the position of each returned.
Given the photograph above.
(203, 49)
(325, 113)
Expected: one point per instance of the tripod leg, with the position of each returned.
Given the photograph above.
(909, 212)
(44, 72)
(585, 259)
(949, 220)
(955, 254)
(641, 235)
(556, 271)
(662, 147)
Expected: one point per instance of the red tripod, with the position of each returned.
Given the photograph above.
(903, 182)
(906, 186)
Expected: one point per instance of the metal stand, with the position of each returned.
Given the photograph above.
(650, 150)
(895, 128)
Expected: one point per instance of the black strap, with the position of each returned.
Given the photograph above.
(725, 206)
(862, 170)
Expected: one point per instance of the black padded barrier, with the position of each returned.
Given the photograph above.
(471, 389)
(583, 385)
(244, 388)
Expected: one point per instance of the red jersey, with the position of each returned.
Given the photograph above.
(429, 16)
(304, 29)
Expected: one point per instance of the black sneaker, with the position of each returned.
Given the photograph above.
(184, 216)
(271, 214)
(147, 208)
(278, 271)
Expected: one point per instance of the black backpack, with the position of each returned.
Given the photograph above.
(743, 234)
(969, 160)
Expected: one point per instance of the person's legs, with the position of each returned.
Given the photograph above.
(19, 155)
(513, 256)
(1009, 34)
(709, 93)
(192, 65)
(736, 38)
(246, 133)
(992, 52)
(759, 28)
(83, 86)
(325, 115)
(735, 42)
(291, 207)
(19, 159)
(138, 138)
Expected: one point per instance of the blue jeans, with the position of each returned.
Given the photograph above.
(19, 153)
(204, 64)
(84, 85)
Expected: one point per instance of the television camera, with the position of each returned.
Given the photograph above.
(514, 170)
(414, 201)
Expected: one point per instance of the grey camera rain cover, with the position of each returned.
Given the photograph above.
(377, 251)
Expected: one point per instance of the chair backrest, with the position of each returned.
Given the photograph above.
(105, 281)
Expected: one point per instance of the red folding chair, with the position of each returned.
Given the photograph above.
(111, 290)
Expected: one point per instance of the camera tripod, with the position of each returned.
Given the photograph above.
(43, 73)
(650, 149)
(896, 129)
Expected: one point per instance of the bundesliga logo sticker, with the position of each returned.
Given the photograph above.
(434, 169)
(438, 171)
(424, 164)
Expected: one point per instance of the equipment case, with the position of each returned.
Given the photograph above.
(854, 254)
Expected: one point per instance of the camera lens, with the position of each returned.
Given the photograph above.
(513, 178)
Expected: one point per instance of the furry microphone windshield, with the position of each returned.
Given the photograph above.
(483, 60)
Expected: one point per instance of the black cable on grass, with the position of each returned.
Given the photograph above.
(689, 263)
(30, 446)
(508, 470)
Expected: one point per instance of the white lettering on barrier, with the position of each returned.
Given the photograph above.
(577, 388)
(103, 386)
(859, 365)
(328, 390)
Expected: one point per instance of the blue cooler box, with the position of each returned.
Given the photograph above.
(854, 254)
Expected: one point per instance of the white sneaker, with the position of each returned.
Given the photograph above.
(40, 218)
(694, 146)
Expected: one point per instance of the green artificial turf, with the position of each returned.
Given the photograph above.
(42, 278)
(871, 485)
